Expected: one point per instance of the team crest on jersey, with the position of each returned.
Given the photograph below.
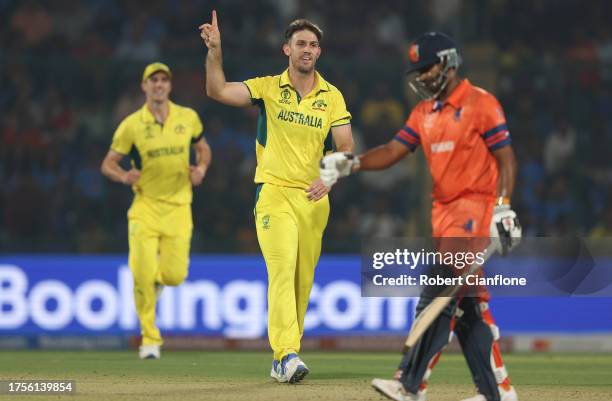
(413, 53)
(265, 222)
(319, 105)
(149, 132)
(179, 129)
(285, 96)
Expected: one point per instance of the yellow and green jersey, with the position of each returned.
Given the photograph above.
(293, 133)
(160, 152)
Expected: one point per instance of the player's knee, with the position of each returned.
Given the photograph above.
(174, 278)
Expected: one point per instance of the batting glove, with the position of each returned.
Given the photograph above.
(336, 165)
(505, 229)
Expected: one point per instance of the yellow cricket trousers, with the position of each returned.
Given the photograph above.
(289, 229)
(159, 239)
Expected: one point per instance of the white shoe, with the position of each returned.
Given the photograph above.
(509, 395)
(151, 351)
(505, 396)
(477, 397)
(293, 368)
(277, 372)
(395, 390)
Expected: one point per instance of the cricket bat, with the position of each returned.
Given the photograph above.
(433, 310)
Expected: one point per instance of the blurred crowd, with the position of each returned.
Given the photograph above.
(70, 71)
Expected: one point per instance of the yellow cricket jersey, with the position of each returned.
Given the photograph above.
(294, 133)
(161, 152)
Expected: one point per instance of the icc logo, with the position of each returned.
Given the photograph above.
(285, 96)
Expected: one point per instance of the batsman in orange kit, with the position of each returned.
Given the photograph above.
(463, 132)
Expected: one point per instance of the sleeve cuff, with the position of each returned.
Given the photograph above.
(198, 137)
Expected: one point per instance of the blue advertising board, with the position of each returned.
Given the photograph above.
(226, 296)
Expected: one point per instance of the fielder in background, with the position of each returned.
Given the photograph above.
(463, 132)
(158, 138)
(297, 111)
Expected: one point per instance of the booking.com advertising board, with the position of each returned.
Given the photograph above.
(226, 296)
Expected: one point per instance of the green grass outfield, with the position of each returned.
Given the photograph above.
(237, 376)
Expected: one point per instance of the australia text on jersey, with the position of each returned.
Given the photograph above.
(300, 118)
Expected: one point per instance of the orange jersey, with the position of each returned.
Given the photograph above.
(458, 137)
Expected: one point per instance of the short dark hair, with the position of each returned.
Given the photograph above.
(300, 25)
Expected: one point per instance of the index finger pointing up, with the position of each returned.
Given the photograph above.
(214, 18)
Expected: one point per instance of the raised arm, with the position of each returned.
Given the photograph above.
(217, 88)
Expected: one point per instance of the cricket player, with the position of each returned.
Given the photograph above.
(300, 113)
(158, 137)
(463, 132)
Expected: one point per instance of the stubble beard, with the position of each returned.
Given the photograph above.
(303, 69)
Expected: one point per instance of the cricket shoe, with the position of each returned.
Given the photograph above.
(505, 396)
(277, 372)
(396, 391)
(150, 351)
(293, 368)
